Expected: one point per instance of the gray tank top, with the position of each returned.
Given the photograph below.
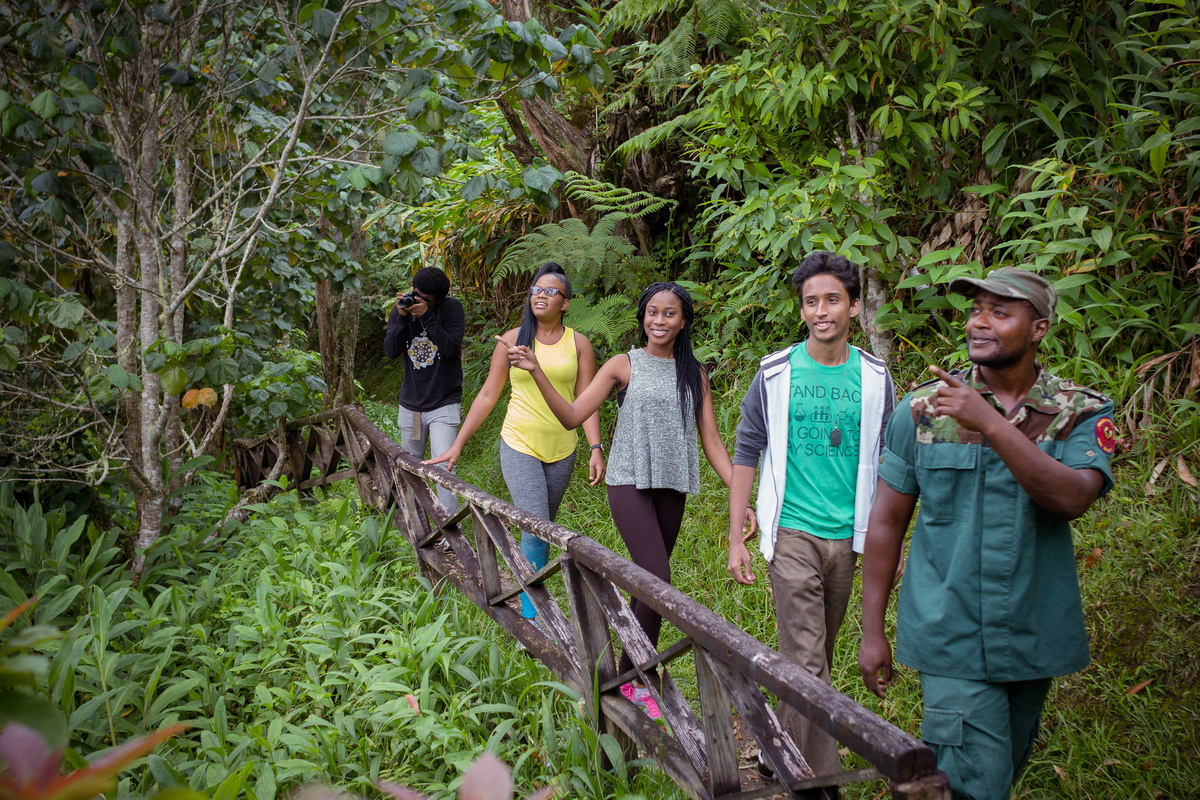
(653, 446)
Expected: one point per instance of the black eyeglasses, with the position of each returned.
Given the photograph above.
(549, 291)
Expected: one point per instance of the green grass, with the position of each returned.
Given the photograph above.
(1139, 560)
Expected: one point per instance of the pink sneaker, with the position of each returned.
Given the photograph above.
(627, 691)
(643, 698)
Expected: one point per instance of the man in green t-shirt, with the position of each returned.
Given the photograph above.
(1001, 456)
(814, 415)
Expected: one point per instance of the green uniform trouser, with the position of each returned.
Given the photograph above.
(982, 732)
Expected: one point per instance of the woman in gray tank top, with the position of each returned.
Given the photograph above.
(654, 463)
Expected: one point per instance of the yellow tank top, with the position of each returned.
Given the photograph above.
(529, 427)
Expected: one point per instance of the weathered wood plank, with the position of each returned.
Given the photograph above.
(552, 568)
(723, 776)
(896, 754)
(673, 652)
(597, 661)
(325, 480)
(671, 702)
(485, 548)
(549, 613)
(655, 740)
(778, 749)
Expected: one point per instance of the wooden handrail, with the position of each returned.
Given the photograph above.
(580, 645)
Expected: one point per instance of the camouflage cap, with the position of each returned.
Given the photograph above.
(1012, 282)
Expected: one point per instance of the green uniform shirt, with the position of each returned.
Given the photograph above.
(990, 591)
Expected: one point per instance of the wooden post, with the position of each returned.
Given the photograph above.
(718, 729)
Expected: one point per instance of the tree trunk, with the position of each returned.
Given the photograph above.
(874, 297)
(566, 147)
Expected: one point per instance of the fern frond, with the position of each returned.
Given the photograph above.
(607, 199)
(587, 256)
(652, 137)
(675, 56)
(609, 319)
(633, 14)
(722, 20)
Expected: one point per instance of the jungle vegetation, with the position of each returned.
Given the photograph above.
(208, 206)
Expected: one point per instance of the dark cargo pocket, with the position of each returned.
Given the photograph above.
(943, 727)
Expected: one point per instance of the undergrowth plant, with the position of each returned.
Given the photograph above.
(302, 646)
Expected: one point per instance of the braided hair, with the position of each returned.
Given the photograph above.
(528, 327)
(689, 375)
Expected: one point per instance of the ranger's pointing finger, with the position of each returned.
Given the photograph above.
(952, 380)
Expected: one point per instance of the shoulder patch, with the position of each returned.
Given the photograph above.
(1106, 435)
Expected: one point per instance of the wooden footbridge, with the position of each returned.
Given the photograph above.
(483, 561)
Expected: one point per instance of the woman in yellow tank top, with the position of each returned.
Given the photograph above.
(537, 454)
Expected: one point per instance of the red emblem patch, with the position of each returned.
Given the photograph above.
(1106, 435)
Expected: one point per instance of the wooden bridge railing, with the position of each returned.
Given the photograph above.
(732, 668)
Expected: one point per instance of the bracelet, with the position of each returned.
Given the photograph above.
(599, 447)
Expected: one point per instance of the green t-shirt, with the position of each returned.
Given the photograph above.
(825, 410)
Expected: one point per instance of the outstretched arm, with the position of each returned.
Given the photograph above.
(881, 554)
(481, 406)
(1063, 491)
(718, 456)
(613, 375)
(591, 427)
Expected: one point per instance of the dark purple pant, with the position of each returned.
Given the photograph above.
(648, 521)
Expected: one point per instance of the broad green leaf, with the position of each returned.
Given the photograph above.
(45, 105)
(995, 135)
(9, 357)
(117, 376)
(541, 178)
(174, 380)
(427, 161)
(159, 14)
(323, 21)
(155, 360)
(89, 104)
(1047, 115)
(221, 371)
(582, 55)
(473, 188)
(400, 143)
(65, 313)
(46, 182)
(54, 209)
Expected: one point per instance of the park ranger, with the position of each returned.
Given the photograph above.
(1001, 457)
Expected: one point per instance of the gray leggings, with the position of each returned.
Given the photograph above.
(536, 487)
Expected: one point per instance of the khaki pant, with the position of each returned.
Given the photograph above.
(812, 579)
(437, 427)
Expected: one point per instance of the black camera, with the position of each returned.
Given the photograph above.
(406, 300)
